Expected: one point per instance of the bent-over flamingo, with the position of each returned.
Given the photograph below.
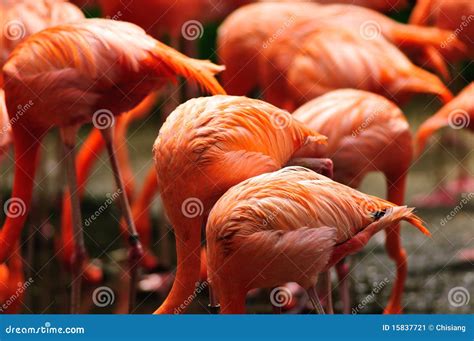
(206, 146)
(81, 71)
(289, 225)
(366, 133)
(246, 34)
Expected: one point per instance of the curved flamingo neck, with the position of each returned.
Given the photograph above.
(26, 150)
(188, 249)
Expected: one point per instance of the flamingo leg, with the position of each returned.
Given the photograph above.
(328, 292)
(135, 248)
(214, 305)
(321, 166)
(68, 137)
(342, 269)
(393, 244)
(313, 296)
(396, 251)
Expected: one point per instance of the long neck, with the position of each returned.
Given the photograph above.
(188, 249)
(26, 153)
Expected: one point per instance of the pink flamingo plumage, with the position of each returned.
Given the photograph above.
(366, 133)
(206, 146)
(246, 35)
(115, 58)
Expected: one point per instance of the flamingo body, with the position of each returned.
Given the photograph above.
(271, 222)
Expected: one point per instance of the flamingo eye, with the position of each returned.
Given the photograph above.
(378, 214)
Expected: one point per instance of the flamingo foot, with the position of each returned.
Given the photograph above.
(393, 309)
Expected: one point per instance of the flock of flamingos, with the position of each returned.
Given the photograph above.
(272, 181)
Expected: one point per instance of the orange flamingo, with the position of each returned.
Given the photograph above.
(207, 145)
(455, 15)
(331, 58)
(117, 67)
(247, 34)
(290, 225)
(372, 135)
(457, 114)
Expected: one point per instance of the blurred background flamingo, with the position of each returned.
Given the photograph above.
(457, 114)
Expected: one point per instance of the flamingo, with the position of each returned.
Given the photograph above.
(22, 18)
(366, 133)
(206, 146)
(290, 225)
(457, 114)
(331, 58)
(247, 34)
(455, 15)
(91, 70)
